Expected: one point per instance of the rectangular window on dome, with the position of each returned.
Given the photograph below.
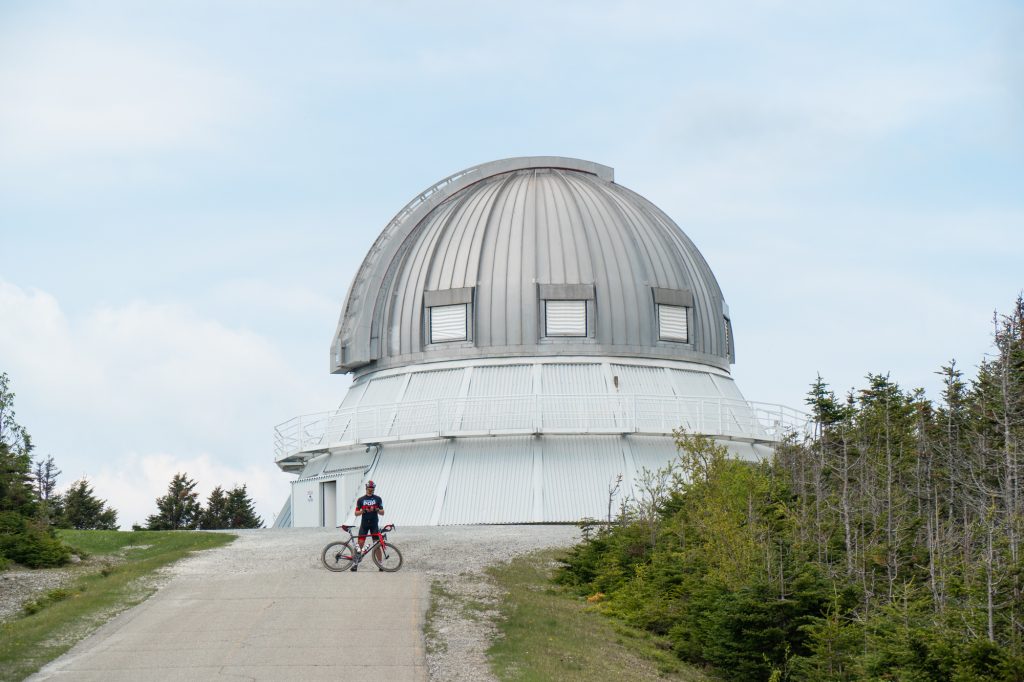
(672, 323)
(449, 323)
(565, 318)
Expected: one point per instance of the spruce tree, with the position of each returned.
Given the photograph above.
(24, 536)
(82, 510)
(179, 509)
(16, 491)
(241, 513)
(45, 473)
(215, 514)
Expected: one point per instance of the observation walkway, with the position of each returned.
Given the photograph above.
(723, 418)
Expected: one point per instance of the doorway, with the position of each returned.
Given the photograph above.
(329, 496)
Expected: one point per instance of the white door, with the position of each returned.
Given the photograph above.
(329, 495)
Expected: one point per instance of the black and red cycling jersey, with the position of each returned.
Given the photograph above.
(371, 505)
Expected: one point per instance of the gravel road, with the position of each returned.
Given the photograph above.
(453, 559)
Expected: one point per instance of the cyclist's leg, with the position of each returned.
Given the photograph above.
(373, 530)
(365, 527)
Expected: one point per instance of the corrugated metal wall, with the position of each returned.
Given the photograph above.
(306, 503)
(693, 384)
(651, 453)
(353, 458)
(382, 391)
(502, 479)
(727, 387)
(354, 395)
(502, 380)
(637, 380)
(419, 411)
(435, 385)
(573, 379)
(577, 472)
(407, 476)
(491, 481)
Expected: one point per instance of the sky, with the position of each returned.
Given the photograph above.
(187, 189)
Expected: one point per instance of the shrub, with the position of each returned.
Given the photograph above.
(29, 544)
(52, 597)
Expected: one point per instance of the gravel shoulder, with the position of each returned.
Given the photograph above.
(20, 585)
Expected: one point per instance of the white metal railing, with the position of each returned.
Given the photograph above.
(506, 415)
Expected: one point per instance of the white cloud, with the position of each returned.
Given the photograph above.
(145, 378)
(736, 150)
(68, 94)
(155, 363)
(134, 481)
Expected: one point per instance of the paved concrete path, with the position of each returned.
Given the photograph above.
(280, 622)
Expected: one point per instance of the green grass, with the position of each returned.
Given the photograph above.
(110, 581)
(548, 634)
(430, 634)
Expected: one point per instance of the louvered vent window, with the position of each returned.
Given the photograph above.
(728, 337)
(672, 323)
(565, 318)
(449, 323)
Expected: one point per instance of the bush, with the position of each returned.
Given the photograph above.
(51, 597)
(29, 544)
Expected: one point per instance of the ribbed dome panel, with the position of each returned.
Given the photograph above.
(504, 229)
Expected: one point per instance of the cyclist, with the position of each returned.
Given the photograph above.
(369, 508)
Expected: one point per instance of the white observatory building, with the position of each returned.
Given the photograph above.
(519, 335)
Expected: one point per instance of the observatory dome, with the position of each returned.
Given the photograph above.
(538, 256)
(522, 335)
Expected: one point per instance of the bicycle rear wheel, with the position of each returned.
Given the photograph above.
(338, 556)
(389, 559)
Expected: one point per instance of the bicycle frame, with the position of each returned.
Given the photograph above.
(380, 540)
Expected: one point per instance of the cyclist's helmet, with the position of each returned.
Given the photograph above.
(369, 484)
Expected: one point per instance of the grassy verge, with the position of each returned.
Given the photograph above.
(547, 634)
(111, 580)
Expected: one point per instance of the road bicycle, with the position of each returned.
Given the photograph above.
(342, 555)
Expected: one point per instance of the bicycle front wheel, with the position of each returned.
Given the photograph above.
(389, 559)
(338, 556)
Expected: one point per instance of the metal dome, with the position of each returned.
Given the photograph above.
(502, 237)
(577, 328)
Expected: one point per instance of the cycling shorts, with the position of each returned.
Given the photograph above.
(366, 526)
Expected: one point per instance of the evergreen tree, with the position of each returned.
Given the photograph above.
(45, 473)
(82, 510)
(216, 514)
(179, 509)
(24, 537)
(241, 513)
(884, 545)
(16, 491)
